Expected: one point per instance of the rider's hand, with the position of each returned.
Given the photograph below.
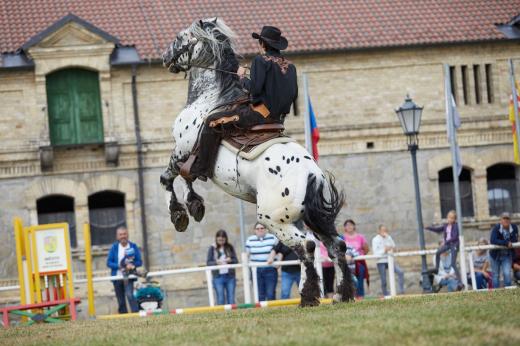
(241, 72)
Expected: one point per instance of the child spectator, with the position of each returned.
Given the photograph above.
(481, 265)
(383, 244)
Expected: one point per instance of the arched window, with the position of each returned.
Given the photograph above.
(55, 209)
(502, 189)
(447, 192)
(106, 214)
(74, 107)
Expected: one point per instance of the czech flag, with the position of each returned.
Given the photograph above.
(315, 132)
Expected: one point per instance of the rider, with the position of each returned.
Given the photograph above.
(272, 89)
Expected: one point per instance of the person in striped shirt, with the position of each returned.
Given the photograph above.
(260, 248)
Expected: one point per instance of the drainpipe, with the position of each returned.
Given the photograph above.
(140, 166)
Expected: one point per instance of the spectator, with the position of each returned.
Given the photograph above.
(260, 247)
(446, 275)
(383, 244)
(359, 243)
(450, 236)
(481, 265)
(224, 280)
(516, 266)
(504, 234)
(328, 272)
(290, 274)
(121, 264)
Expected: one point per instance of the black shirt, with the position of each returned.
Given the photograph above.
(288, 255)
(273, 82)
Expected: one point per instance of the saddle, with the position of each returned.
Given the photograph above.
(253, 142)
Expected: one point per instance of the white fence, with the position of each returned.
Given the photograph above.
(248, 267)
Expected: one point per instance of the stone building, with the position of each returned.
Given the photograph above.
(74, 77)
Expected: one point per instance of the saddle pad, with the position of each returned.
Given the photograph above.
(259, 149)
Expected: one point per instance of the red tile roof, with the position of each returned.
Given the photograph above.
(310, 26)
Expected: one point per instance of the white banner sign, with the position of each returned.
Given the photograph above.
(51, 250)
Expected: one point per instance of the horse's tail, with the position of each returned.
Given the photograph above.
(322, 203)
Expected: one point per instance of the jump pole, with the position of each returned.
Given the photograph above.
(206, 309)
(88, 269)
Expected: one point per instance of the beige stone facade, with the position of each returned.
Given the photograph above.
(354, 95)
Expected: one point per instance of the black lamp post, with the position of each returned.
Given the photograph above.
(409, 115)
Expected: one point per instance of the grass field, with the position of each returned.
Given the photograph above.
(490, 318)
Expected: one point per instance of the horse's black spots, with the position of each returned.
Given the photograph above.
(297, 160)
(186, 127)
(278, 168)
(288, 161)
(301, 211)
(286, 191)
(198, 126)
(267, 159)
(180, 135)
(271, 170)
(238, 174)
(302, 236)
(286, 208)
(307, 157)
(283, 194)
(292, 158)
(267, 217)
(194, 121)
(282, 221)
(303, 202)
(226, 184)
(286, 216)
(283, 157)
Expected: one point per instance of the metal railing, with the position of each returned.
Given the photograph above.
(248, 267)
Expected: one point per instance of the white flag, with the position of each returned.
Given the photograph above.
(451, 137)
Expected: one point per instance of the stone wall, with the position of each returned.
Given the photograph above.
(354, 95)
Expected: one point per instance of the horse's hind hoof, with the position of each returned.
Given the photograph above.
(196, 206)
(306, 302)
(180, 220)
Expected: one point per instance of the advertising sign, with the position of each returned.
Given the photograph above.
(51, 250)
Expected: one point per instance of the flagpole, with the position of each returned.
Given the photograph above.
(453, 147)
(307, 117)
(514, 95)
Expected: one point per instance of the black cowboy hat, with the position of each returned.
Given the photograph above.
(272, 36)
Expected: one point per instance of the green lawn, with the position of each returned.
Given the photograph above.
(464, 319)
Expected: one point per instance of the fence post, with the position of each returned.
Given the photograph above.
(472, 271)
(255, 283)
(391, 274)
(246, 278)
(319, 268)
(209, 279)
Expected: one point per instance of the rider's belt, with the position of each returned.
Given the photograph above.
(262, 109)
(223, 120)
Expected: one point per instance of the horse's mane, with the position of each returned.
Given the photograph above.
(220, 44)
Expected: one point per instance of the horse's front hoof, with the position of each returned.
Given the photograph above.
(180, 220)
(196, 207)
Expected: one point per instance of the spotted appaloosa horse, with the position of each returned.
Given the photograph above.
(286, 184)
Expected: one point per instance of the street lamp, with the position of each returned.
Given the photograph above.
(409, 115)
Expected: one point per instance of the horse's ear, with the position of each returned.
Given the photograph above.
(215, 21)
(201, 24)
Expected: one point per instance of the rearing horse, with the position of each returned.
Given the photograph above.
(286, 184)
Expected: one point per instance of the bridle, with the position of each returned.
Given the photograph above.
(189, 49)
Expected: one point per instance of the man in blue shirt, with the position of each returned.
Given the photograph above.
(260, 248)
(504, 234)
(124, 257)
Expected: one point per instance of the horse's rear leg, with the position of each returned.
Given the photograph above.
(344, 284)
(178, 215)
(292, 237)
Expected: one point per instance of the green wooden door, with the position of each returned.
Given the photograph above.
(74, 107)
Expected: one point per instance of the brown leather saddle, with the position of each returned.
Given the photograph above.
(242, 140)
(247, 140)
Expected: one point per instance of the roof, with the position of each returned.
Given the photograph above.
(310, 26)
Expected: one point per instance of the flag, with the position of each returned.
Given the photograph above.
(451, 136)
(315, 132)
(513, 124)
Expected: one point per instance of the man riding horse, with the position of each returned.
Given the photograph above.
(272, 89)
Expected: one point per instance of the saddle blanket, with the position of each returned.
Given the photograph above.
(253, 152)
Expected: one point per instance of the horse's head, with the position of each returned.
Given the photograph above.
(201, 45)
